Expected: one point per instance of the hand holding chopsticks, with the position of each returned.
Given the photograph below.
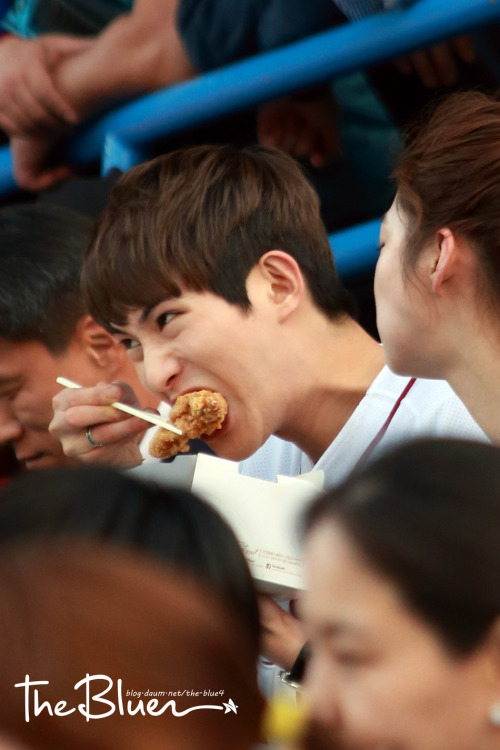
(147, 416)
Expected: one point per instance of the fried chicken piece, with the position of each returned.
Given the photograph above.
(166, 443)
(197, 414)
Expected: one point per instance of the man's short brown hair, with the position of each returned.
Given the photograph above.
(199, 219)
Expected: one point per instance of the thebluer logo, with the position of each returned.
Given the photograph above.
(145, 702)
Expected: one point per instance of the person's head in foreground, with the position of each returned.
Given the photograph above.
(402, 605)
(168, 524)
(44, 328)
(437, 282)
(212, 266)
(115, 634)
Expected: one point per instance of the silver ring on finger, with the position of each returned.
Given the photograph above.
(91, 440)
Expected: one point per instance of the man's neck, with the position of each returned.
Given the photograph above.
(340, 371)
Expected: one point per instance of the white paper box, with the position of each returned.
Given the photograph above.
(265, 516)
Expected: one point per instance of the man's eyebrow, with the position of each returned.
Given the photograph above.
(143, 317)
(147, 310)
(114, 330)
(7, 379)
(8, 382)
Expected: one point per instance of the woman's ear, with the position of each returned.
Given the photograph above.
(284, 281)
(450, 260)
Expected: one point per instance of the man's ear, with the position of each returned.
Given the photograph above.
(447, 261)
(284, 280)
(99, 345)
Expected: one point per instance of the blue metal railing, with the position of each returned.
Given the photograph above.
(122, 135)
(324, 56)
(356, 249)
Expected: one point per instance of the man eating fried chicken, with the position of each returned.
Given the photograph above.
(212, 267)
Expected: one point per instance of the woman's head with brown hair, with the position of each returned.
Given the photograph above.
(70, 610)
(449, 176)
(437, 282)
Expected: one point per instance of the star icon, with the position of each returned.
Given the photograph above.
(229, 706)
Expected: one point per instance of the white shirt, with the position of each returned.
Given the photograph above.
(431, 409)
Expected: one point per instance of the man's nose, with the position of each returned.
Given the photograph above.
(159, 370)
(10, 427)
